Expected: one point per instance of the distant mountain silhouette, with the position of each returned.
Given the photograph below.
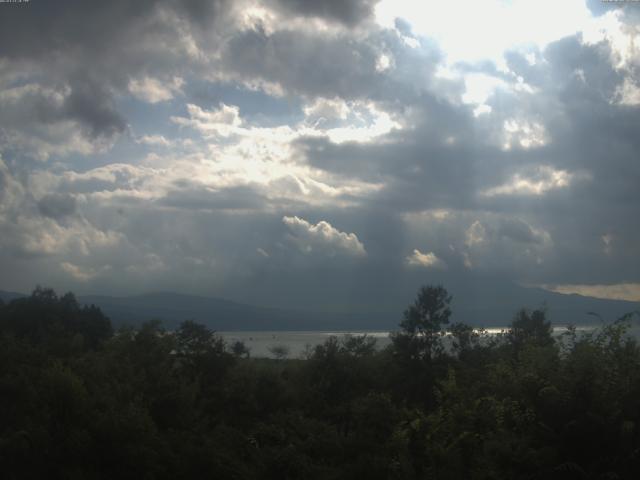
(487, 305)
(8, 296)
(476, 304)
(173, 308)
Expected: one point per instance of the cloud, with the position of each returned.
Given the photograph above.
(154, 140)
(57, 205)
(425, 260)
(153, 90)
(542, 181)
(79, 273)
(200, 197)
(322, 238)
(348, 12)
(621, 291)
(12, 191)
(174, 135)
(519, 231)
(88, 56)
(475, 234)
(90, 103)
(324, 65)
(44, 121)
(222, 122)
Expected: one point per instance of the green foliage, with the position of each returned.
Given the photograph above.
(423, 324)
(279, 352)
(359, 345)
(530, 328)
(239, 349)
(429, 312)
(60, 323)
(77, 401)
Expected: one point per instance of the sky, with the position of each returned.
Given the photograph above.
(329, 154)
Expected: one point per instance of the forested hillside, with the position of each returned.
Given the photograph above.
(78, 400)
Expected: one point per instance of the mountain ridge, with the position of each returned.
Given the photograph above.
(480, 308)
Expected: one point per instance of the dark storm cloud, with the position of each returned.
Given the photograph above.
(595, 132)
(94, 49)
(91, 104)
(31, 109)
(418, 152)
(588, 134)
(308, 63)
(596, 137)
(583, 73)
(305, 62)
(57, 205)
(349, 12)
(419, 168)
(42, 30)
(591, 139)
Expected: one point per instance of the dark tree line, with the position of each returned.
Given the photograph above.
(442, 401)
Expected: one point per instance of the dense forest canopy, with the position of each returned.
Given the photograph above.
(444, 401)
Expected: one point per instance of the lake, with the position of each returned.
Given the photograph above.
(298, 343)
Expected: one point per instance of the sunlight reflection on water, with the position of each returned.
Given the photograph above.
(299, 343)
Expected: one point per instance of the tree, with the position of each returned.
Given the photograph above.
(419, 343)
(280, 352)
(359, 345)
(57, 322)
(195, 339)
(423, 322)
(530, 328)
(464, 337)
(240, 349)
(429, 312)
(201, 350)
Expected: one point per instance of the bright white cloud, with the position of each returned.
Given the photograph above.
(545, 179)
(475, 234)
(628, 93)
(356, 122)
(618, 32)
(153, 90)
(523, 134)
(323, 109)
(363, 130)
(83, 274)
(384, 63)
(154, 140)
(619, 291)
(322, 238)
(479, 87)
(425, 260)
(468, 30)
(237, 153)
(221, 122)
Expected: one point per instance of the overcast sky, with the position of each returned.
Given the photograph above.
(336, 153)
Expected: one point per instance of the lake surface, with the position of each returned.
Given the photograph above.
(300, 343)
